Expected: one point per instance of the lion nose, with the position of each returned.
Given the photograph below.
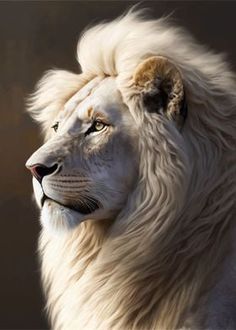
(39, 171)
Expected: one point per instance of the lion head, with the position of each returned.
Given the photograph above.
(88, 166)
(143, 137)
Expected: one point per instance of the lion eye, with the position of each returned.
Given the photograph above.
(55, 126)
(96, 127)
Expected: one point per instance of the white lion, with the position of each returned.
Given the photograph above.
(136, 182)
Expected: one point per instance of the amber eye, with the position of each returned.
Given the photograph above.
(98, 125)
(55, 126)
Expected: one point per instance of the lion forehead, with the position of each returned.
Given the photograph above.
(99, 95)
(81, 94)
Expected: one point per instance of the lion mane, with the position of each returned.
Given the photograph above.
(167, 260)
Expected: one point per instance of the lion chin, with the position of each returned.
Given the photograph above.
(137, 175)
(57, 218)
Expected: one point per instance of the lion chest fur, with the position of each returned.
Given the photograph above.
(75, 286)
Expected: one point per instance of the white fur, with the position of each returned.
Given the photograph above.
(157, 264)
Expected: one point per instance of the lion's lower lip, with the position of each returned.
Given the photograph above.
(82, 208)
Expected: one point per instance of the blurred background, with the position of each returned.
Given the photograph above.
(34, 37)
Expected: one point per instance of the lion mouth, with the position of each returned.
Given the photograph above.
(86, 205)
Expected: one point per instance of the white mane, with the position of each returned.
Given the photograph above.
(152, 267)
(117, 47)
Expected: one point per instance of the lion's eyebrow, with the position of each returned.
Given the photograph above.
(90, 112)
(101, 116)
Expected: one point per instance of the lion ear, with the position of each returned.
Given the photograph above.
(161, 87)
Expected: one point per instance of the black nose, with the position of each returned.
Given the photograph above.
(39, 170)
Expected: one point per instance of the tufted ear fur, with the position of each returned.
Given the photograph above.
(161, 87)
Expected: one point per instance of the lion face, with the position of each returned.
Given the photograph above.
(100, 138)
(87, 167)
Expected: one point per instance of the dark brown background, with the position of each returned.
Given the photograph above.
(36, 36)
